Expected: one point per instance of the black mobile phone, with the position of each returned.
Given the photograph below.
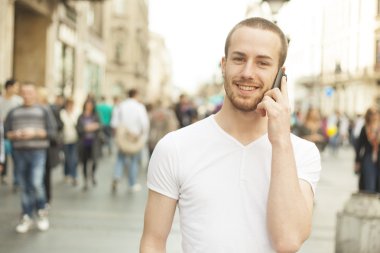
(277, 80)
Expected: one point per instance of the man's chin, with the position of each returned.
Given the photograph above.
(245, 108)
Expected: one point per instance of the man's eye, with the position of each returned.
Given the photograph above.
(263, 63)
(238, 59)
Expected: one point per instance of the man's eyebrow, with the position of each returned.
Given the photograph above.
(263, 56)
(238, 53)
(260, 56)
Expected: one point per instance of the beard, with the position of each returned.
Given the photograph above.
(240, 102)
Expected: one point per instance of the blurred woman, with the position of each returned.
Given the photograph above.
(88, 128)
(367, 153)
(312, 129)
(70, 138)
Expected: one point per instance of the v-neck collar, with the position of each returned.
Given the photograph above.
(233, 139)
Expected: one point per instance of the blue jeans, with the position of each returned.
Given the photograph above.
(9, 154)
(71, 159)
(30, 166)
(132, 163)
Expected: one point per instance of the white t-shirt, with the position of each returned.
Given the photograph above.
(221, 185)
(133, 115)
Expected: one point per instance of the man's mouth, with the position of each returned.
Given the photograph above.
(246, 88)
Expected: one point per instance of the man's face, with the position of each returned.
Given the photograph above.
(13, 89)
(250, 67)
(28, 93)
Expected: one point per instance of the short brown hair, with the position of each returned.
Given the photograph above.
(263, 24)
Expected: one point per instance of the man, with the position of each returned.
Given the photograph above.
(8, 101)
(29, 127)
(132, 115)
(241, 180)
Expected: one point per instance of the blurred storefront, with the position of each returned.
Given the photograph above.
(54, 43)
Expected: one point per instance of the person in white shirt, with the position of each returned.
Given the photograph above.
(2, 146)
(8, 101)
(69, 119)
(242, 182)
(132, 115)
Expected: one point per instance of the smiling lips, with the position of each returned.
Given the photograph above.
(245, 87)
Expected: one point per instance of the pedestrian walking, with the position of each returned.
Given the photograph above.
(2, 146)
(104, 111)
(30, 140)
(367, 150)
(131, 122)
(241, 180)
(9, 100)
(311, 129)
(162, 121)
(69, 118)
(53, 151)
(88, 128)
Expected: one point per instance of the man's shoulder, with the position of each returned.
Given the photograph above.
(192, 134)
(303, 148)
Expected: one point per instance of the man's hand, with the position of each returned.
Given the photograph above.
(275, 105)
(26, 134)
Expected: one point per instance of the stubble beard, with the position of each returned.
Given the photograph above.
(240, 103)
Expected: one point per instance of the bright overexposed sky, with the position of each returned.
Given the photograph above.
(195, 33)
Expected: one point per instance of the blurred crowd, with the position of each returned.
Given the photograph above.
(337, 130)
(39, 135)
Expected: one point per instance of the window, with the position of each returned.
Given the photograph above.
(119, 7)
(119, 48)
(377, 60)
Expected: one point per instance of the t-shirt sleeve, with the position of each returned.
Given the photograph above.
(308, 162)
(163, 168)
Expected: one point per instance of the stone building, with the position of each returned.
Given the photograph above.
(160, 71)
(58, 44)
(335, 53)
(127, 51)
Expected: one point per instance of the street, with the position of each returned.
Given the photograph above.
(98, 221)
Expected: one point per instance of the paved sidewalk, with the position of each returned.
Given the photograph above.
(97, 221)
(336, 185)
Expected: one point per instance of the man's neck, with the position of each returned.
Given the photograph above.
(8, 95)
(243, 126)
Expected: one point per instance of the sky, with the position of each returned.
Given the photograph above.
(194, 32)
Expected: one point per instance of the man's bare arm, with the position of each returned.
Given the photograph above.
(290, 203)
(159, 214)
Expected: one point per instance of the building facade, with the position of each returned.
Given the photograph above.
(160, 71)
(127, 47)
(338, 56)
(58, 44)
(334, 53)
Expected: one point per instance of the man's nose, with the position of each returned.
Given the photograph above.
(248, 69)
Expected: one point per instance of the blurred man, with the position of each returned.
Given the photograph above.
(131, 116)
(29, 127)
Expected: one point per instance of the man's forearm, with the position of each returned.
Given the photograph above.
(288, 218)
(149, 247)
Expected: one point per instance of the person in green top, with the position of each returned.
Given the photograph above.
(104, 111)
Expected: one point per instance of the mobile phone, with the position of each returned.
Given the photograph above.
(277, 80)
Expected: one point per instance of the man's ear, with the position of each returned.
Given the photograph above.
(223, 65)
